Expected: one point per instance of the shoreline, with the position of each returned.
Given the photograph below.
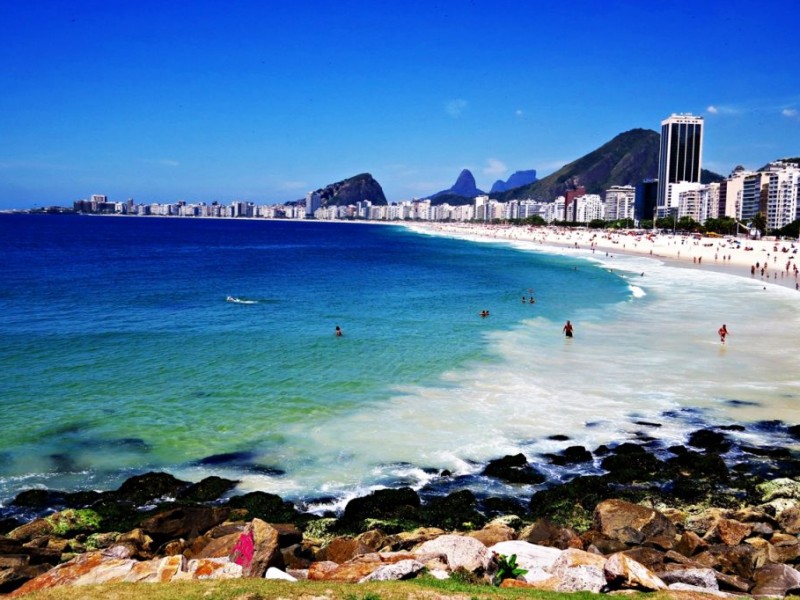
(778, 258)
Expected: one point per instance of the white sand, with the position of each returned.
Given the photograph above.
(744, 257)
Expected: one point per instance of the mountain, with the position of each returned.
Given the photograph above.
(352, 190)
(707, 177)
(518, 179)
(628, 159)
(463, 191)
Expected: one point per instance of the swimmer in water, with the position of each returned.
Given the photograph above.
(568, 329)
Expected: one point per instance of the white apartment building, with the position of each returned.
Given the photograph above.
(481, 208)
(586, 208)
(559, 210)
(783, 206)
(532, 208)
(676, 189)
(755, 190)
(313, 202)
(465, 212)
(734, 186)
(620, 201)
(690, 204)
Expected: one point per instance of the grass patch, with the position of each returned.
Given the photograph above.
(425, 588)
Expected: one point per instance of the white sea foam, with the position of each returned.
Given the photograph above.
(636, 291)
(654, 359)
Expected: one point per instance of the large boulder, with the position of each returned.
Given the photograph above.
(219, 547)
(401, 503)
(257, 549)
(578, 571)
(622, 571)
(708, 439)
(537, 560)
(513, 469)
(545, 533)
(267, 507)
(403, 569)
(461, 552)
(142, 489)
(570, 456)
(454, 511)
(789, 520)
(571, 503)
(782, 487)
(617, 519)
(700, 578)
(630, 462)
(690, 544)
(776, 581)
(207, 489)
(95, 568)
(347, 573)
(405, 540)
(183, 522)
(740, 560)
(729, 531)
(68, 522)
(493, 533)
(342, 549)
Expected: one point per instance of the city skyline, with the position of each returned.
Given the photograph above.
(264, 103)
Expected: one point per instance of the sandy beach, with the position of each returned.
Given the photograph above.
(770, 261)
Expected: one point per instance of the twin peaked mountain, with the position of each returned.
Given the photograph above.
(628, 159)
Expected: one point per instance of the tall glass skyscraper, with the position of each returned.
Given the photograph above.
(680, 157)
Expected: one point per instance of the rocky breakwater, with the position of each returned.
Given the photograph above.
(708, 517)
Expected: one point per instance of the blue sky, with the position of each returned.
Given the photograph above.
(264, 101)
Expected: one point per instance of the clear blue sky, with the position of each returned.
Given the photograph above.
(264, 101)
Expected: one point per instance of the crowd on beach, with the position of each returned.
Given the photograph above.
(773, 261)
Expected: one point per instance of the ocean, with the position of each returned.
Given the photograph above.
(122, 354)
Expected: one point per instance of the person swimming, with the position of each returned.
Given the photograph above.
(567, 329)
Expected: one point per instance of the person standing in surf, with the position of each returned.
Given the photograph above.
(723, 332)
(568, 329)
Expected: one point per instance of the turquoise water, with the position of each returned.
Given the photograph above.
(122, 355)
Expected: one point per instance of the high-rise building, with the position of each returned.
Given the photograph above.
(730, 193)
(755, 193)
(783, 197)
(569, 198)
(646, 199)
(313, 202)
(620, 202)
(679, 158)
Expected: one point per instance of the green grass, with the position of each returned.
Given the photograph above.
(425, 588)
